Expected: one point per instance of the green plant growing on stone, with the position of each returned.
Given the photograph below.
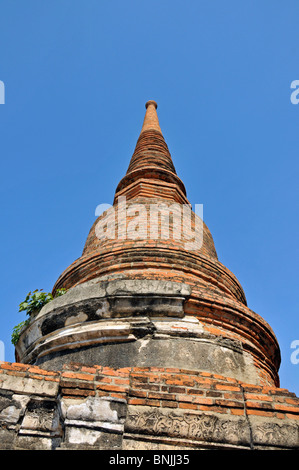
(32, 304)
(17, 331)
(37, 299)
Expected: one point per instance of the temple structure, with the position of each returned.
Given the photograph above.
(153, 345)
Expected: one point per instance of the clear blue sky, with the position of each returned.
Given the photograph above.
(77, 74)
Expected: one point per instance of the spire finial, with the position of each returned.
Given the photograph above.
(151, 102)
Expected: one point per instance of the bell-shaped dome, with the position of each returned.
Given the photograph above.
(149, 288)
(151, 227)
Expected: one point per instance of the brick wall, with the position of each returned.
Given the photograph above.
(37, 409)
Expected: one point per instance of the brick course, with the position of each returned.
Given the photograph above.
(164, 387)
(169, 390)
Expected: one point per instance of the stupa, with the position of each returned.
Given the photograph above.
(153, 345)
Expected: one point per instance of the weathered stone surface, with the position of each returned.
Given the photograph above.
(271, 432)
(81, 438)
(94, 410)
(161, 349)
(95, 422)
(7, 438)
(202, 427)
(36, 443)
(146, 341)
(27, 385)
(41, 418)
(76, 318)
(134, 442)
(12, 406)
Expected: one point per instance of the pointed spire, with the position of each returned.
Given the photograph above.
(151, 149)
(151, 164)
(151, 121)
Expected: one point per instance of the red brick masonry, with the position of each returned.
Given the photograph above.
(166, 388)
